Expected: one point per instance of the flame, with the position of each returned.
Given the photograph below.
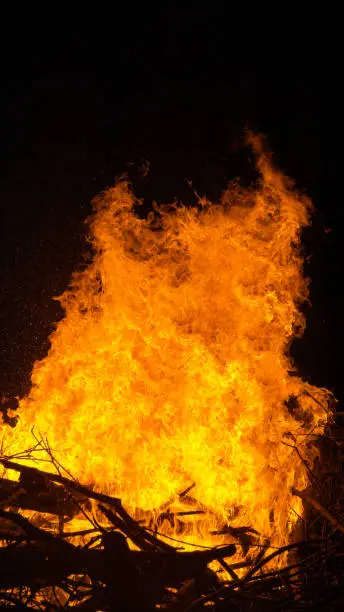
(171, 366)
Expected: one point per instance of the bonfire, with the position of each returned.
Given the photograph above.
(168, 450)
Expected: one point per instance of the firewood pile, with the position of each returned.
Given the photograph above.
(118, 563)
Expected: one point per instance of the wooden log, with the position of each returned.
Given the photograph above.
(337, 525)
(32, 474)
(51, 562)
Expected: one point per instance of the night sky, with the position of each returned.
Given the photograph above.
(86, 98)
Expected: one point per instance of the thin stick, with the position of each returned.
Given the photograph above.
(253, 570)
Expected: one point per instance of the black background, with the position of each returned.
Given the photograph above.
(86, 97)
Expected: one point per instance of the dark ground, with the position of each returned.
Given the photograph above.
(83, 97)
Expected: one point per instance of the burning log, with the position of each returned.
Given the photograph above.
(32, 476)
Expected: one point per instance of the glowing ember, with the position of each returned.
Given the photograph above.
(170, 366)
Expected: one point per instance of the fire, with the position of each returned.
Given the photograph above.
(171, 366)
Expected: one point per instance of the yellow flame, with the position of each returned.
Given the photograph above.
(171, 364)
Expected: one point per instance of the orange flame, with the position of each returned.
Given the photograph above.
(171, 364)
